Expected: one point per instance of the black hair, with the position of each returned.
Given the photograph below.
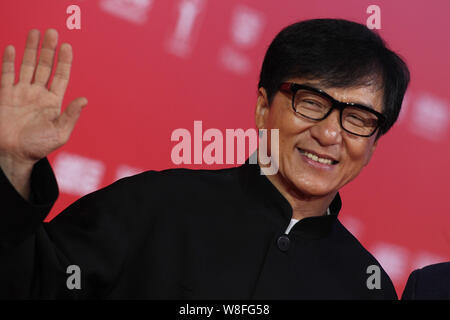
(338, 53)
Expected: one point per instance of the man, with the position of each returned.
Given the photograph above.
(330, 87)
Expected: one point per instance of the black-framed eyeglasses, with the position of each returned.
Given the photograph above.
(315, 104)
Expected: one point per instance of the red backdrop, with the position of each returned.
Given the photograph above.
(149, 67)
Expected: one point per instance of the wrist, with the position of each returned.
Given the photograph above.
(18, 173)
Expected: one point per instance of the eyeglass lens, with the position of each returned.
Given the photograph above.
(313, 106)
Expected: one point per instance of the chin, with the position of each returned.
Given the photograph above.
(311, 188)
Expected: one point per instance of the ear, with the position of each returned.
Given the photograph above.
(262, 108)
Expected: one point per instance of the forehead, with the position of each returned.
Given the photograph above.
(369, 95)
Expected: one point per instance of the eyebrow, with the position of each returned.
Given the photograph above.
(318, 86)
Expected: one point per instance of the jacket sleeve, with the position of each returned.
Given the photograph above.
(81, 252)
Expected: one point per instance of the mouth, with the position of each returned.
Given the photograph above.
(318, 159)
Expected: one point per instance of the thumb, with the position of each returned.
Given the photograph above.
(66, 121)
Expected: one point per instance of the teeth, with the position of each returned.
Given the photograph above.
(316, 158)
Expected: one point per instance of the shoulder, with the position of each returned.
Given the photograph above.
(169, 185)
(152, 185)
(137, 200)
(430, 282)
(440, 269)
(351, 244)
(363, 262)
(182, 177)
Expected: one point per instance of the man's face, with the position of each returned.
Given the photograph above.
(325, 137)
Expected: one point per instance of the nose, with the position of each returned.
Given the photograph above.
(328, 131)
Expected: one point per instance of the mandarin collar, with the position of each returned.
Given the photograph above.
(260, 188)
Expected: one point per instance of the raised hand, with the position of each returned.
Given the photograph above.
(31, 122)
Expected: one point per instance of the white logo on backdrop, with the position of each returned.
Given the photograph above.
(132, 10)
(354, 225)
(77, 175)
(182, 39)
(235, 61)
(393, 259)
(430, 117)
(246, 28)
(423, 259)
(124, 171)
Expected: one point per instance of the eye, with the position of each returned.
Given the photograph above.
(356, 120)
(311, 101)
(311, 104)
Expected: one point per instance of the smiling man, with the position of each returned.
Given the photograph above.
(324, 143)
(330, 87)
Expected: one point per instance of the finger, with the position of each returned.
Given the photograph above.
(46, 57)
(8, 74)
(29, 56)
(62, 73)
(68, 118)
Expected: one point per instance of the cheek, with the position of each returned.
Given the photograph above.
(292, 130)
(358, 153)
(287, 130)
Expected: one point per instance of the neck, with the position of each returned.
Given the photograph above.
(303, 205)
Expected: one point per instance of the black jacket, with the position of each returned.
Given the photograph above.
(429, 283)
(178, 234)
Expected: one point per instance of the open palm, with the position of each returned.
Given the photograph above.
(31, 122)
